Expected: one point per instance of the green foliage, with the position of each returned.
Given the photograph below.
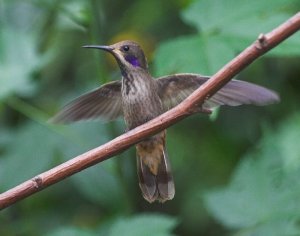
(262, 197)
(219, 17)
(99, 183)
(193, 46)
(71, 231)
(150, 224)
(17, 158)
(222, 32)
(101, 186)
(16, 66)
(74, 14)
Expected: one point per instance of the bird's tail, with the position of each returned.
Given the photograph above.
(154, 171)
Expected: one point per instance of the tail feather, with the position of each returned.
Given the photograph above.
(165, 183)
(147, 181)
(155, 177)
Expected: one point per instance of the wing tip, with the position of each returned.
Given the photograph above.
(269, 97)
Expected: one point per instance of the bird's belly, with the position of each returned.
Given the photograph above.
(138, 109)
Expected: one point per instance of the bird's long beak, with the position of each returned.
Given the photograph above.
(105, 48)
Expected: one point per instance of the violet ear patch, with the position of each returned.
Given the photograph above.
(132, 60)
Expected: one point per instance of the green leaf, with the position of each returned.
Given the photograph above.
(175, 56)
(219, 16)
(150, 224)
(35, 147)
(18, 59)
(71, 231)
(100, 186)
(288, 48)
(275, 228)
(287, 144)
(241, 34)
(73, 15)
(29, 153)
(265, 188)
(222, 33)
(143, 224)
(6, 136)
(100, 183)
(193, 54)
(237, 29)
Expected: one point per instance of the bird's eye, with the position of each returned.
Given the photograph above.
(126, 48)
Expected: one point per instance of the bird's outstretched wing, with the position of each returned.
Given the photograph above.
(103, 103)
(173, 89)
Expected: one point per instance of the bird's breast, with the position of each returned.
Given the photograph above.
(141, 102)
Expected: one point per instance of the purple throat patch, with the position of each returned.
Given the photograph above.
(132, 60)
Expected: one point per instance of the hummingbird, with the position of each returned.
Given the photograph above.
(138, 97)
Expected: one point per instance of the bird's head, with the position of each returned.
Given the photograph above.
(128, 54)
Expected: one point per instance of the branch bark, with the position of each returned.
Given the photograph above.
(264, 43)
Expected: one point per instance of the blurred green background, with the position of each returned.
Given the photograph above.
(235, 174)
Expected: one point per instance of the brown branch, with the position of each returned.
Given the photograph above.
(263, 44)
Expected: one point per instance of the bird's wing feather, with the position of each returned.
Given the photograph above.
(104, 103)
(173, 89)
